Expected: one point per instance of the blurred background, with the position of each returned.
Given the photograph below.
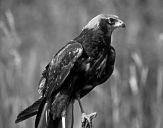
(31, 31)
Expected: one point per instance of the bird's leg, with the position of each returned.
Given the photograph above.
(86, 118)
(80, 104)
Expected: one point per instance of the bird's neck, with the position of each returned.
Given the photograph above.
(94, 42)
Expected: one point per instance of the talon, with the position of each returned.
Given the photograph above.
(87, 119)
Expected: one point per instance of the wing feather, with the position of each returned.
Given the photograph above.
(59, 67)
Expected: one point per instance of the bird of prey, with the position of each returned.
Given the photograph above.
(82, 64)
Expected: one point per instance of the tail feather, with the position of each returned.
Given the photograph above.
(41, 113)
(44, 119)
(29, 112)
(41, 121)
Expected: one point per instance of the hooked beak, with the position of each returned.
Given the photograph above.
(119, 24)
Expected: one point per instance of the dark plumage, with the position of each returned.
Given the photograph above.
(75, 70)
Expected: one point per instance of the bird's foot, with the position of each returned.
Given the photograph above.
(87, 119)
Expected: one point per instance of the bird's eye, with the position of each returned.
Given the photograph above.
(111, 21)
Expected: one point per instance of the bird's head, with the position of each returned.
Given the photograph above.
(106, 23)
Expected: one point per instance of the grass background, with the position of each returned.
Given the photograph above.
(31, 31)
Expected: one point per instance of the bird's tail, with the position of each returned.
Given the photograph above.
(29, 112)
(50, 113)
(44, 119)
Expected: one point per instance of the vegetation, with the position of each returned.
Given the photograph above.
(33, 30)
